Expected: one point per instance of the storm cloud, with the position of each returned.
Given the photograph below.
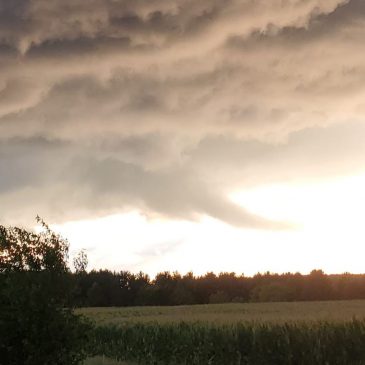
(167, 106)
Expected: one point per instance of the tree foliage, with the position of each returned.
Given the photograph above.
(106, 288)
(80, 262)
(37, 326)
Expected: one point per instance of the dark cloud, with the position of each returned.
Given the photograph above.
(64, 180)
(109, 184)
(166, 106)
(320, 27)
(164, 65)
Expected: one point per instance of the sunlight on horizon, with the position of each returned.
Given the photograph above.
(312, 204)
(329, 235)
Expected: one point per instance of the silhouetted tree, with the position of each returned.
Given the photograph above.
(80, 262)
(37, 327)
(106, 288)
(317, 286)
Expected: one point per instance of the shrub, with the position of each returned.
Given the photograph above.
(37, 326)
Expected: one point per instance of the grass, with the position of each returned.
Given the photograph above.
(231, 313)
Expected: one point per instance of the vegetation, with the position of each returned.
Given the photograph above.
(102, 360)
(253, 333)
(115, 289)
(308, 312)
(240, 343)
(37, 325)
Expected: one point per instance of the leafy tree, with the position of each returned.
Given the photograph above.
(317, 286)
(80, 279)
(218, 297)
(272, 292)
(80, 262)
(96, 296)
(37, 327)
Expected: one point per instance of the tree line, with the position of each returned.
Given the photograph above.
(105, 288)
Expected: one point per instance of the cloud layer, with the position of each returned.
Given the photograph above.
(166, 106)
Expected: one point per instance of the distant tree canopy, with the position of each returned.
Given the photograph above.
(37, 326)
(106, 288)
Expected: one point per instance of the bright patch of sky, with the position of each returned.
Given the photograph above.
(328, 233)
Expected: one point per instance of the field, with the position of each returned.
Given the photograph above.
(102, 360)
(231, 313)
(223, 334)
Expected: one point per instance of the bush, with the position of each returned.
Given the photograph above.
(37, 326)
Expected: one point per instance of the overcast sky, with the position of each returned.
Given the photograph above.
(184, 134)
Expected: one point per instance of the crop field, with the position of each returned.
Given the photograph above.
(231, 313)
(102, 360)
(262, 333)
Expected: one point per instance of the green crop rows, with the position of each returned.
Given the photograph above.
(231, 313)
(200, 343)
(323, 333)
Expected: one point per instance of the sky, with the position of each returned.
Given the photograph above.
(187, 135)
